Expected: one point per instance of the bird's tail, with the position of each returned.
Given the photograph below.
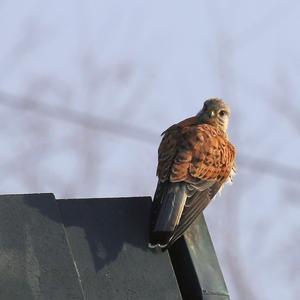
(168, 209)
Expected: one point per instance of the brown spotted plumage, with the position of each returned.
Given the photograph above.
(195, 159)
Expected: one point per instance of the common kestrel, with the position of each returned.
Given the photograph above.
(195, 159)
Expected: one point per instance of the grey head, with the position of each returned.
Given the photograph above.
(215, 112)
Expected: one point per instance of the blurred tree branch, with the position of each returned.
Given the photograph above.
(31, 38)
(119, 127)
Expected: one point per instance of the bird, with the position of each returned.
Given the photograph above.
(195, 160)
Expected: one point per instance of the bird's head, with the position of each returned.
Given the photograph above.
(216, 113)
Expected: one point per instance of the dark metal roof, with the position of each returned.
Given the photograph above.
(97, 249)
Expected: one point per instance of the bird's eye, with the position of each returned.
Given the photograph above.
(222, 113)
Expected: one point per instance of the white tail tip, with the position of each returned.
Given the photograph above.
(156, 245)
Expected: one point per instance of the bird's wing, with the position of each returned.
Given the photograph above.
(202, 157)
(194, 205)
(174, 207)
(169, 147)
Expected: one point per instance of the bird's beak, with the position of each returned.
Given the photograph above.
(211, 114)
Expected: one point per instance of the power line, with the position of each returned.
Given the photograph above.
(136, 133)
